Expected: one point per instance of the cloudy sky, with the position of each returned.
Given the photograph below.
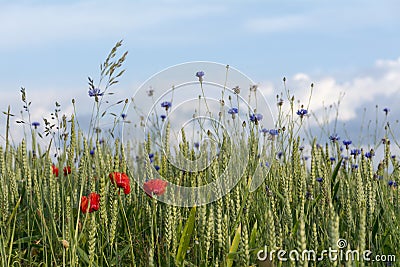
(348, 48)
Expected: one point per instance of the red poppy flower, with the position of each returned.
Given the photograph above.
(122, 181)
(55, 170)
(67, 170)
(93, 200)
(155, 186)
(84, 204)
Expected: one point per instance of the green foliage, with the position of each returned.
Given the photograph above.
(186, 237)
(41, 223)
(234, 247)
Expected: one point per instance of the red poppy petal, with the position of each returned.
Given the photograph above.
(155, 186)
(55, 170)
(84, 204)
(127, 189)
(94, 201)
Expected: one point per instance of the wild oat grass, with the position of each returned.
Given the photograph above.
(302, 203)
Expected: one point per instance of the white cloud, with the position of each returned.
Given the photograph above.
(381, 86)
(388, 64)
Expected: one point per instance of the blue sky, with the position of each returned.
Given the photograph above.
(349, 47)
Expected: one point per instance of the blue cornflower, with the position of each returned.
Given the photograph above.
(92, 151)
(347, 143)
(256, 117)
(196, 144)
(279, 154)
(302, 112)
(332, 159)
(334, 137)
(354, 166)
(151, 157)
(273, 132)
(200, 74)
(95, 92)
(319, 180)
(35, 124)
(393, 156)
(386, 110)
(163, 117)
(306, 158)
(123, 116)
(156, 167)
(392, 183)
(166, 105)
(233, 111)
(264, 131)
(369, 155)
(355, 152)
